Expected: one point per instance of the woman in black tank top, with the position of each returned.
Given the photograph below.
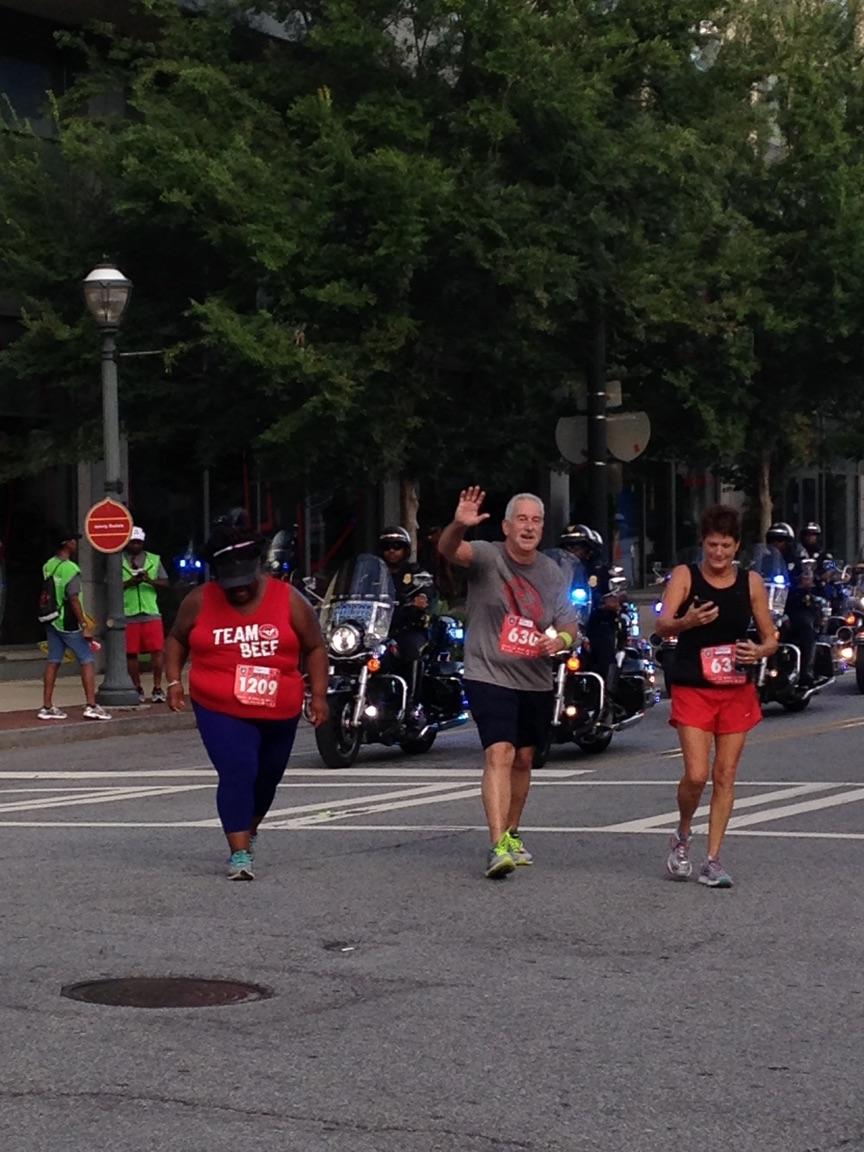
(709, 607)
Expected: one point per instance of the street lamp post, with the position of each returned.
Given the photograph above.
(106, 294)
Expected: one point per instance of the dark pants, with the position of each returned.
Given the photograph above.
(407, 661)
(250, 757)
(802, 632)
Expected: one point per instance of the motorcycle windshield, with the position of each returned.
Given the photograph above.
(774, 571)
(577, 580)
(360, 593)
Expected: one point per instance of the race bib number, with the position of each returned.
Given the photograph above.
(256, 685)
(519, 637)
(718, 665)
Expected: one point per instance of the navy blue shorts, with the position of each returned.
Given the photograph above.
(510, 716)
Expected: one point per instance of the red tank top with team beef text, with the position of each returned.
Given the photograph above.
(246, 664)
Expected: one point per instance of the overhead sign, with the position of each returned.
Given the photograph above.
(627, 434)
(108, 526)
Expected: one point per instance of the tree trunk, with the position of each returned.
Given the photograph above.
(766, 506)
(410, 502)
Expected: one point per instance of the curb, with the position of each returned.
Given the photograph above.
(53, 734)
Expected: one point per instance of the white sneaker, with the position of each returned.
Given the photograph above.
(96, 712)
(51, 714)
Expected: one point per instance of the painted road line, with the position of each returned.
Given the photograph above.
(369, 809)
(425, 790)
(533, 830)
(101, 798)
(339, 774)
(791, 810)
(664, 819)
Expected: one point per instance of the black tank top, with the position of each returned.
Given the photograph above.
(731, 624)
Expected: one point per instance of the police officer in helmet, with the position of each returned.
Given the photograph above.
(410, 627)
(811, 539)
(802, 603)
(586, 544)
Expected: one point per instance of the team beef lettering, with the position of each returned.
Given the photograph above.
(251, 639)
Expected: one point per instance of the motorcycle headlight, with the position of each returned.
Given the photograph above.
(345, 640)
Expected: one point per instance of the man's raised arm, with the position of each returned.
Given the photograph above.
(452, 543)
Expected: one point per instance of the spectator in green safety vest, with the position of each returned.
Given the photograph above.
(143, 574)
(70, 630)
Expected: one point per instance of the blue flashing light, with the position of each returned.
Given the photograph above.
(182, 563)
(779, 581)
(658, 607)
(579, 596)
(198, 564)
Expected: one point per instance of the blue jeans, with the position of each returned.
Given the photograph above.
(59, 641)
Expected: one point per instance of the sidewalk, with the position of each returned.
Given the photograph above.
(20, 700)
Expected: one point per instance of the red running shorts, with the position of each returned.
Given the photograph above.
(144, 636)
(721, 710)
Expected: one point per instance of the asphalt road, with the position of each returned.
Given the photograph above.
(584, 1003)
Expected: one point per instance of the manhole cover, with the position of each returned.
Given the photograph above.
(164, 992)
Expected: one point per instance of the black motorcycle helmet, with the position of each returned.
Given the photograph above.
(577, 536)
(779, 533)
(394, 538)
(814, 529)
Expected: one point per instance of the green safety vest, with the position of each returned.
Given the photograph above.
(141, 600)
(62, 572)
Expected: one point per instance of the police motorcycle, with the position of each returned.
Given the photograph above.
(587, 710)
(370, 701)
(853, 578)
(778, 678)
(663, 647)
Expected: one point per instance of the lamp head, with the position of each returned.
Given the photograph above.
(106, 294)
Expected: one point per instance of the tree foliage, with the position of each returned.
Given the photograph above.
(378, 241)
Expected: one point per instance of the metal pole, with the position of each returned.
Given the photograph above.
(116, 689)
(597, 449)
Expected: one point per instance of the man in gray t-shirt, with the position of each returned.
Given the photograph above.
(519, 614)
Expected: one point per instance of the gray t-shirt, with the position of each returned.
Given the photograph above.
(501, 593)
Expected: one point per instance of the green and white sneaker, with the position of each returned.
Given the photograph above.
(499, 862)
(240, 866)
(516, 848)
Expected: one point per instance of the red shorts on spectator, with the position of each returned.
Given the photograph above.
(144, 636)
(722, 711)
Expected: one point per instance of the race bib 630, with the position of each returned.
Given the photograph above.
(520, 637)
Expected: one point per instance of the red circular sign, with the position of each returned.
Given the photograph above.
(108, 526)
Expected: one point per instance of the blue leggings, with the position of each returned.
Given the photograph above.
(250, 757)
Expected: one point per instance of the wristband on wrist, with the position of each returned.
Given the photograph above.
(567, 638)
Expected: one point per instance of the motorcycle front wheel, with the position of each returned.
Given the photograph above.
(594, 745)
(859, 668)
(796, 703)
(338, 743)
(541, 754)
(418, 744)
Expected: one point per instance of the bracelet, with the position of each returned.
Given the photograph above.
(173, 683)
(567, 638)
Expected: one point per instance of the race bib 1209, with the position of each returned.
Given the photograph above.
(718, 665)
(520, 637)
(256, 685)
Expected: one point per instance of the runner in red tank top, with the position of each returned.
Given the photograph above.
(245, 633)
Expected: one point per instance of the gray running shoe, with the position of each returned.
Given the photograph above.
(714, 874)
(240, 866)
(158, 696)
(96, 712)
(499, 862)
(678, 866)
(52, 713)
(517, 849)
